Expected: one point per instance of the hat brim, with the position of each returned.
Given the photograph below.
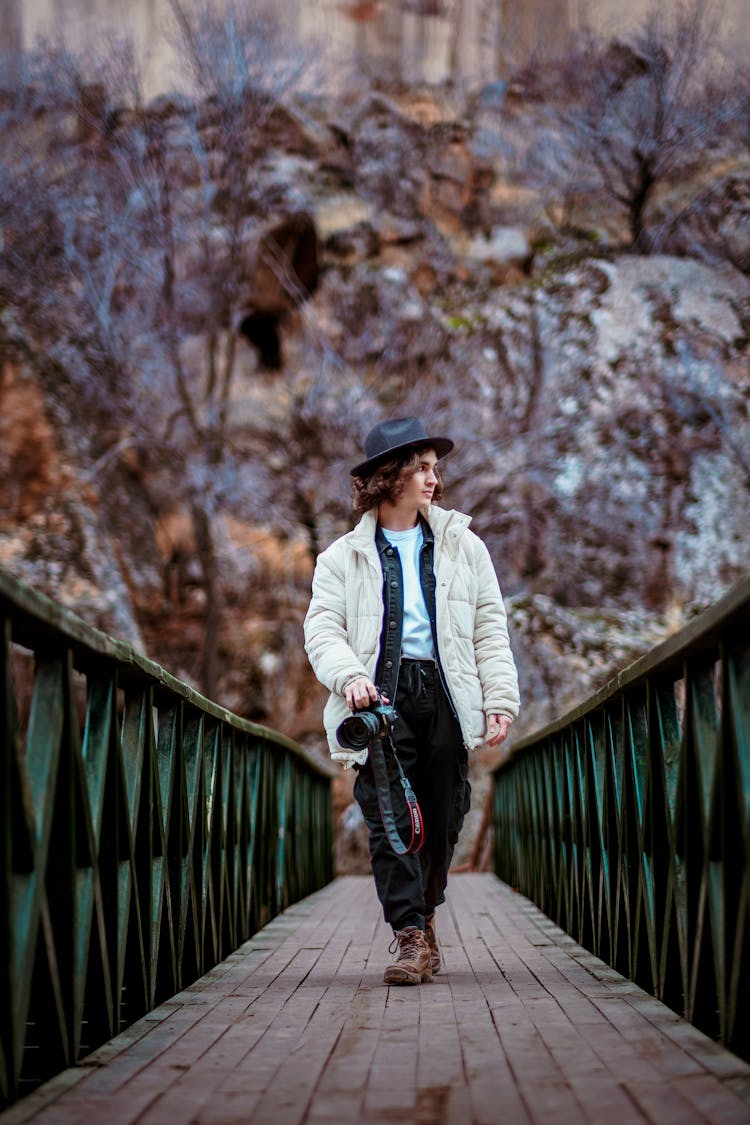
(441, 445)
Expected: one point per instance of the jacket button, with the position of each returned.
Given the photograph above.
(391, 624)
(389, 552)
(394, 585)
(389, 663)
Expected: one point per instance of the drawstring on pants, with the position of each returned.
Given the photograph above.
(415, 674)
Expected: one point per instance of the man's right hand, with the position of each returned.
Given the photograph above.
(361, 693)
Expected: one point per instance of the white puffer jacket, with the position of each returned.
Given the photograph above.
(345, 617)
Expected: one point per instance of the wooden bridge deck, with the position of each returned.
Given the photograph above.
(522, 1025)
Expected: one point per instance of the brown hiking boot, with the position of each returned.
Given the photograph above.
(412, 965)
(432, 941)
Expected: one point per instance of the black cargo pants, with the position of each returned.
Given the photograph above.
(430, 747)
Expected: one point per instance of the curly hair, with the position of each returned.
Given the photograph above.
(387, 482)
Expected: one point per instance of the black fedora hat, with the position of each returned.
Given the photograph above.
(394, 436)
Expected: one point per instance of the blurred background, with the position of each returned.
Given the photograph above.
(424, 40)
(233, 236)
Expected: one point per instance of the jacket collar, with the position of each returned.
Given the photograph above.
(362, 537)
(381, 540)
(445, 523)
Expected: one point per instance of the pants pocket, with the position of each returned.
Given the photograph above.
(366, 796)
(461, 801)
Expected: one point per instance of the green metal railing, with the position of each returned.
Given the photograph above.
(146, 833)
(628, 821)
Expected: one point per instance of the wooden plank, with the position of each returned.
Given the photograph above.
(283, 1061)
(521, 1025)
(666, 1084)
(542, 1088)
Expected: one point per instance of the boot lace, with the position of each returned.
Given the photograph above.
(406, 941)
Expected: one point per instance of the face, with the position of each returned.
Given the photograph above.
(419, 488)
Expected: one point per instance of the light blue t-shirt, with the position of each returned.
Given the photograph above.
(416, 639)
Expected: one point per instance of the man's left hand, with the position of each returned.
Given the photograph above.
(497, 729)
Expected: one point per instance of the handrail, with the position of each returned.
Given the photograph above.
(146, 833)
(628, 821)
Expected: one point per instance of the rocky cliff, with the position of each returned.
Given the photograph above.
(390, 263)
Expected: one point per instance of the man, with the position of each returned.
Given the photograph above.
(409, 602)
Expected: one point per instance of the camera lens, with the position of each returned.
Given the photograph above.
(358, 731)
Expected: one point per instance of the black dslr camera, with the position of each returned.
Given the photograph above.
(359, 731)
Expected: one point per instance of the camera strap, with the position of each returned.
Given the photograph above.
(383, 788)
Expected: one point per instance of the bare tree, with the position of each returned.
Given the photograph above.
(711, 220)
(126, 227)
(630, 117)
